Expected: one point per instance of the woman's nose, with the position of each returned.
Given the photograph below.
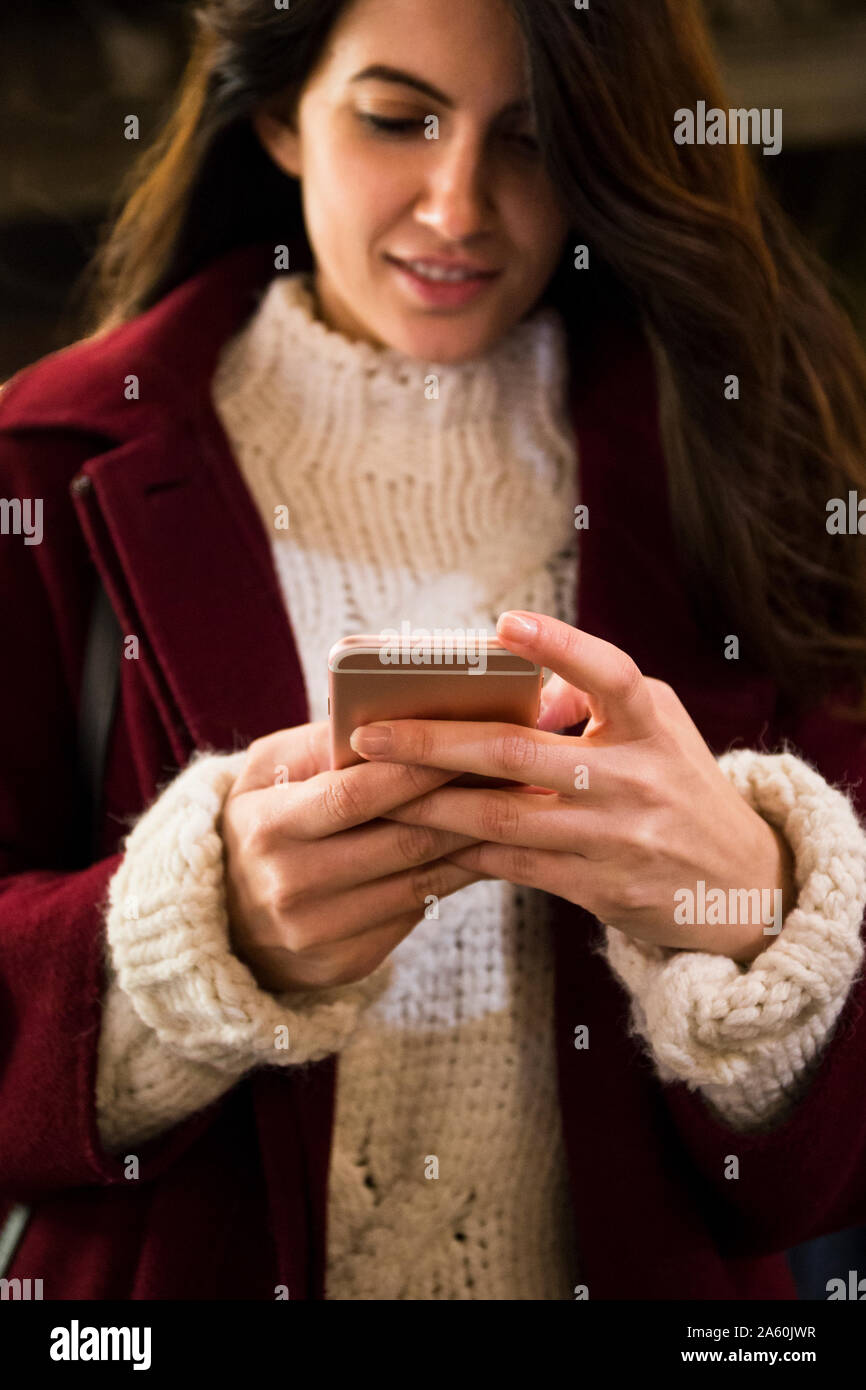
(455, 201)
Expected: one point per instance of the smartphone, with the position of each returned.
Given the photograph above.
(379, 677)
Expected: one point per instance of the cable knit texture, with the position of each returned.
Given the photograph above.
(170, 954)
(751, 1036)
(440, 495)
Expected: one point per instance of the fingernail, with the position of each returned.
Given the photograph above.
(372, 738)
(517, 627)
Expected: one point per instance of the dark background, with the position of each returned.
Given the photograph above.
(72, 70)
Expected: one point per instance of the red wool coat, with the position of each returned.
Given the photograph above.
(232, 1202)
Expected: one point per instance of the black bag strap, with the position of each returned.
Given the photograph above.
(100, 683)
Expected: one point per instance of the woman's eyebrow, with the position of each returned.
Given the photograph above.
(383, 73)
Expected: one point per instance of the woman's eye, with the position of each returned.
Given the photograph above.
(399, 127)
(404, 125)
(389, 125)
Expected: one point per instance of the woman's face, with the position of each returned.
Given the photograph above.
(475, 194)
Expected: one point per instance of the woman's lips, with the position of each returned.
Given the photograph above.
(443, 293)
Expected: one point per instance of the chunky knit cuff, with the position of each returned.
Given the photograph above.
(143, 1087)
(168, 935)
(751, 1035)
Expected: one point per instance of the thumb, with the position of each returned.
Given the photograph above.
(288, 755)
(562, 705)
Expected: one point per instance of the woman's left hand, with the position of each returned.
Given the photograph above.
(618, 819)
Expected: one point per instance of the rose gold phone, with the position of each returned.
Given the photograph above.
(389, 677)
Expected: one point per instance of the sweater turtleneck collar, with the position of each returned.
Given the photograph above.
(286, 340)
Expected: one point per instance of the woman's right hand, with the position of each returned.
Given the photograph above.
(316, 895)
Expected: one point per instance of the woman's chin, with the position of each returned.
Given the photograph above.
(449, 344)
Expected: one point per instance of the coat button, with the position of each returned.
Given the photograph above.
(80, 484)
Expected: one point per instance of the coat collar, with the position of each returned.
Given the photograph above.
(185, 556)
(172, 349)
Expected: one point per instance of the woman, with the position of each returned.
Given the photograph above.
(245, 1064)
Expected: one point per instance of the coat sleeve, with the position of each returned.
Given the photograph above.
(52, 931)
(783, 1182)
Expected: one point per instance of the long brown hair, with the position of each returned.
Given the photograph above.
(689, 234)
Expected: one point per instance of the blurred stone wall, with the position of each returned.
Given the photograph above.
(70, 70)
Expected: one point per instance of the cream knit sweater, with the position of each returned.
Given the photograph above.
(441, 495)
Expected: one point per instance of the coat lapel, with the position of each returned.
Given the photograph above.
(171, 524)
(186, 559)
